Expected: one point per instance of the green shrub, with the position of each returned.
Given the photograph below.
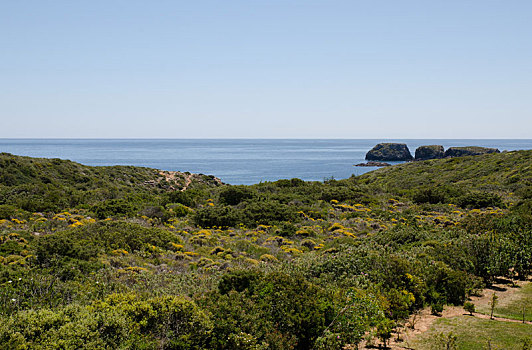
(219, 216)
(343, 193)
(121, 321)
(155, 212)
(53, 247)
(86, 242)
(450, 284)
(286, 229)
(238, 280)
(73, 327)
(480, 200)
(233, 195)
(178, 210)
(436, 308)
(430, 195)
(286, 311)
(7, 211)
(176, 323)
(268, 213)
(186, 198)
(469, 307)
(114, 207)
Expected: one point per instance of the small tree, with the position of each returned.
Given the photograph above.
(436, 308)
(384, 330)
(469, 307)
(413, 320)
(443, 341)
(493, 303)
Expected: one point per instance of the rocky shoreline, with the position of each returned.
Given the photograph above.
(373, 163)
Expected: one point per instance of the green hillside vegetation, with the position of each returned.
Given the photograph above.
(39, 185)
(507, 174)
(128, 257)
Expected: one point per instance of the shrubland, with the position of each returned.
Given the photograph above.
(127, 257)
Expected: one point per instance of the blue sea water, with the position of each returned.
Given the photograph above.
(235, 161)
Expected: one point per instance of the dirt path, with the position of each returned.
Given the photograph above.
(423, 320)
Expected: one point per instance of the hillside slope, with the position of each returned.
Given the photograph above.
(508, 172)
(39, 184)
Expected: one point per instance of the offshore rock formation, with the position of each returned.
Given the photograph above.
(429, 152)
(373, 163)
(469, 151)
(389, 152)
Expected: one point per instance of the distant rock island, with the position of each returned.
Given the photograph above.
(389, 152)
(430, 152)
(469, 151)
(400, 152)
(373, 163)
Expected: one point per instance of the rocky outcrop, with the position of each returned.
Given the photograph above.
(372, 163)
(389, 152)
(429, 152)
(469, 151)
(177, 180)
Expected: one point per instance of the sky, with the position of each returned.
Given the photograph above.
(266, 69)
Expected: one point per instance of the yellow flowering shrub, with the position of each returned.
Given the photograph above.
(119, 252)
(291, 250)
(268, 258)
(136, 269)
(76, 224)
(336, 226)
(203, 232)
(176, 247)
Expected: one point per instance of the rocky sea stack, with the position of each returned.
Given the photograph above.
(469, 151)
(389, 152)
(429, 152)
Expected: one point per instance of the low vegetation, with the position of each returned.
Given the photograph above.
(519, 307)
(135, 258)
(470, 333)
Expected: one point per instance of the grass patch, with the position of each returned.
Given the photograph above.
(475, 333)
(514, 308)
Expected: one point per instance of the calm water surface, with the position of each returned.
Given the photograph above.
(234, 161)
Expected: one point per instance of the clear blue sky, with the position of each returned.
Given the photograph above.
(266, 69)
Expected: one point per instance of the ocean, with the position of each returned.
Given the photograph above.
(235, 161)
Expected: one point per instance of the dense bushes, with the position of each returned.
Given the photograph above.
(86, 242)
(279, 311)
(267, 213)
(188, 198)
(480, 200)
(218, 217)
(120, 321)
(277, 265)
(343, 192)
(7, 211)
(113, 207)
(233, 195)
(447, 194)
(250, 214)
(238, 281)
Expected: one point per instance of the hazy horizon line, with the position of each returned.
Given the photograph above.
(249, 138)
